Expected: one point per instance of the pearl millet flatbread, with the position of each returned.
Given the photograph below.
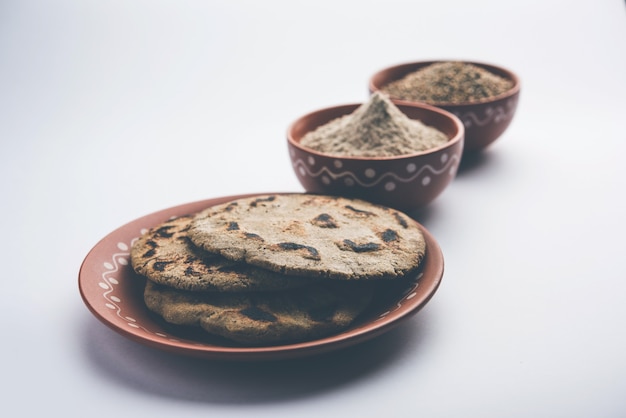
(262, 318)
(167, 256)
(312, 235)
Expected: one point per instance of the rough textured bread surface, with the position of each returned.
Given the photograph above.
(167, 256)
(263, 318)
(312, 235)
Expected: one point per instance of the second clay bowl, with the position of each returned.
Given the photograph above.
(403, 182)
(484, 120)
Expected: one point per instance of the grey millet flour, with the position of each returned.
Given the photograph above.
(448, 82)
(377, 128)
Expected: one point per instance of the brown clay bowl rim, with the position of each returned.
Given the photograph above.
(415, 65)
(111, 291)
(349, 108)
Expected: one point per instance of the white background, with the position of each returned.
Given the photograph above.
(110, 110)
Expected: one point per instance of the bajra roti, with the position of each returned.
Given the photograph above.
(167, 256)
(312, 235)
(261, 318)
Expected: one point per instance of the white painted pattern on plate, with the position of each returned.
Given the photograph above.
(110, 279)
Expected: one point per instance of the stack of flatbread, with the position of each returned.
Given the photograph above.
(275, 269)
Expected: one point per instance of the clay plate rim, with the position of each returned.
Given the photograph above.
(108, 287)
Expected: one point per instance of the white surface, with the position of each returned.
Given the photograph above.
(110, 110)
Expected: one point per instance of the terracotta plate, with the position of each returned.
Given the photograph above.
(113, 293)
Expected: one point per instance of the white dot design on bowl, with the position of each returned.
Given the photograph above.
(370, 173)
(389, 180)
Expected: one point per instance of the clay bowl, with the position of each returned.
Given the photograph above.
(403, 182)
(484, 120)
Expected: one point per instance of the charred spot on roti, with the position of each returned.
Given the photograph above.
(403, 223)
(231, 206)
(307, 250)
(164, 232)
(324, 220)
(389, 235)
(359, 248)
(160, 265)
(253, 236)
(255, 202)
(359, 211)
(149, 254)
